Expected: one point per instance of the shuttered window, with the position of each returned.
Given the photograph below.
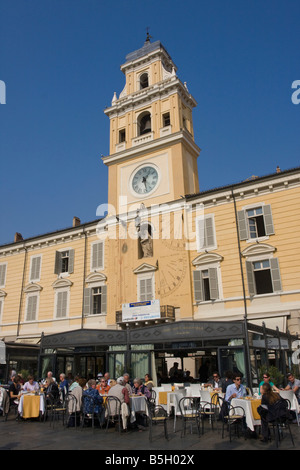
(206, 284)
(62, 304)
(206, 233)
(256, 222)
(263, 276)
(35, 269)
(146, 289)
(97, 261)
(2, 275)
(32, 302)
(64, 262)
(95, 301)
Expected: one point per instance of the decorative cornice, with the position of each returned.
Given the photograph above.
(32, 287)
(207, 258)
(145, 268)
(258, 249)
(59, 283)
(150, 94)
(178, 137)
(95, 277)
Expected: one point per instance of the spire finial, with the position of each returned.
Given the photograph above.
(148, 35)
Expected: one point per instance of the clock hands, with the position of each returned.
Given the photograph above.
(144, 180)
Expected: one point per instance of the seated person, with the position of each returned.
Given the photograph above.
(102, 387)
(149, 382)
(51, 388)
(266, 379)
(97, 407)
(31, 385)
(15, 390)
(272, 407)
(63, 385)
(236, 390)
(215, 382)
(140, 389)
(293, 384)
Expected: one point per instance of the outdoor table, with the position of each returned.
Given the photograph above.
(163, 397)
(249, 405)
(31, 405)
(137, 404)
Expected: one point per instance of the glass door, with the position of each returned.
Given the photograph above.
(233, 359)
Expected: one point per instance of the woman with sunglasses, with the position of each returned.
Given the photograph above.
(267, 380)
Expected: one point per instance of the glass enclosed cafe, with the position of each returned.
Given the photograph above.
(234, 345)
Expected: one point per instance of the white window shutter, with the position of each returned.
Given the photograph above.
(104, 299)
(87, 302)
(213, 283)
(142, 290)
(97, 255)
(31, 308)
(2, 274)
(35, 268)
(242, 224)
(198, 286)
(209, 232)
(250, 277)
(62, 302)
(268, 220)
(57, 265)
(71, 261)
(275, 274)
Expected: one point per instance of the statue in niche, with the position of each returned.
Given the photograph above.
(145, 238)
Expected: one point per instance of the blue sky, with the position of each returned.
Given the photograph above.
(60, 61)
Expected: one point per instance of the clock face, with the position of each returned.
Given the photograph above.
(145, 180)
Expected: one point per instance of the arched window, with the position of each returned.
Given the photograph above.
(144, 123)
(144, 81)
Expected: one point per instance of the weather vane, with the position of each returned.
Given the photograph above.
(148, 35)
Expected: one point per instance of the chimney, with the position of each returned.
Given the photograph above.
(18, 237)
(76, 222)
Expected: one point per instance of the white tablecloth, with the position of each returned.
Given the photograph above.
(137, 404)
(247, 407)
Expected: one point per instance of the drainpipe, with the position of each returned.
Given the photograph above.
(84, 274)
(21, 295)
(248, 363)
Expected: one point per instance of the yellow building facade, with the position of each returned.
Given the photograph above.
(161, 247)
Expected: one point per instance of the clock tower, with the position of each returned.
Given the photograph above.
(153, 156)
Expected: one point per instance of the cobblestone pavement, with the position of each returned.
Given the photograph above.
(35, 435)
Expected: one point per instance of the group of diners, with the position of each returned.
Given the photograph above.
(123, 388)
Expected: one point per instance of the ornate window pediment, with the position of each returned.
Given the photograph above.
(32, 287)
(95, 277)
(60, 283)
(258, 249)
(145, 268)
(207, 258)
